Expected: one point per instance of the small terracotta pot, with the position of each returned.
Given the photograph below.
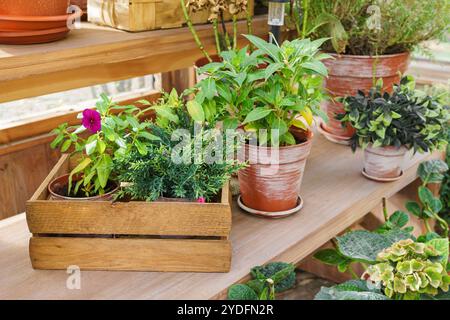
(203, 62)
(34, 7)
(348, 73)
(384, 162)
(62, 182)
(272, 185)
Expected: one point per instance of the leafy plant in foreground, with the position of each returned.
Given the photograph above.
(268, 280)
(430, 206)
(406, 117)
(275, 87)
(106, 133)
(187, 161)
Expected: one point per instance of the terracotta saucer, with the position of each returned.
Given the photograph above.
(332, 137)
(32, 37)
(380, 179)
(264, 214)
(22, 23)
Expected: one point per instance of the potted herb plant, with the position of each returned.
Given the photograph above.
(190, 160)
(276, 103)
(102, 138)
(388, 125)
(369, 40)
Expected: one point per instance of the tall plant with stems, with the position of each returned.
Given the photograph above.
(217, 10)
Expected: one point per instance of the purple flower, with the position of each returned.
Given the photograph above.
(92, 120)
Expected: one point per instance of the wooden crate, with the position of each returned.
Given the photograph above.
(143, 15)
(132, 236)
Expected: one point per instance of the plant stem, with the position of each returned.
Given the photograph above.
(249, 19)
(385, 213)
(216, 35)
(234, 32)
(305, 17)
(427, 225)
(443, 223)
(225, 32)
(194, 33)
(352, 272)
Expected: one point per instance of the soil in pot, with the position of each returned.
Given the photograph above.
(34, 7)
(348, 73)
(269, 184)
(384, 162)
(58, 190)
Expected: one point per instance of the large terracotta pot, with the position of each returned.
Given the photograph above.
(34, 7)
(348, 73)
(383, 162)
(57, 185)
(269, 184)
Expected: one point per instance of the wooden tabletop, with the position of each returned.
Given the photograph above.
(335, 193)
(93, 55)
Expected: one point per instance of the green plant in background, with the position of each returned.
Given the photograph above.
(217, 9)
(177, 164)
(407, 117)
(430, 206)
(372, 27)
(272, 88)
(408, 269)
(268, 280)
(102, 137)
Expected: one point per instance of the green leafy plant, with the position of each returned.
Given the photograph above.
(408, 269)
(275, 87)
(183, 162)
(268, 280)
(407, 117)
(370, 27)
(107, 133)
(430, 206)
(405, 270)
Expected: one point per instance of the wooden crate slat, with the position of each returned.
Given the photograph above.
(133, 218)
(174, 255)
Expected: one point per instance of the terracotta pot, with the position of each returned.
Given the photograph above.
(61, 183)
(33, 37)
(33, 23)
(348, 73)
(273, 187)
(34, 7)
(203, 62)
(384, 162)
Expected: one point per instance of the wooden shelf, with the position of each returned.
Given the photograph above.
(94, 55)
(336, 195)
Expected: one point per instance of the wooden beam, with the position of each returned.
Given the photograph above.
(94, 55)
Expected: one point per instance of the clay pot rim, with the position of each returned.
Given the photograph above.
(383, 56)
(308, 141)
(41, 18)
(379, 179)
(270, 214)
(30, 33)
(78, 199)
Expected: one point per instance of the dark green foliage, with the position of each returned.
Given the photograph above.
(406, 117)
(350, 290)
(267, 280)
(445, 187)
(270, 269)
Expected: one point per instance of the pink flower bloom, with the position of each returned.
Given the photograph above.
(201, 200)
(92, 120)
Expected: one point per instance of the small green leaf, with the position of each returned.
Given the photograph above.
(104, 169)
(256, 114)
(241, 292)
(66, 145)
(414, 208)
(90, 147)
(195, 111)
(330, 257)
